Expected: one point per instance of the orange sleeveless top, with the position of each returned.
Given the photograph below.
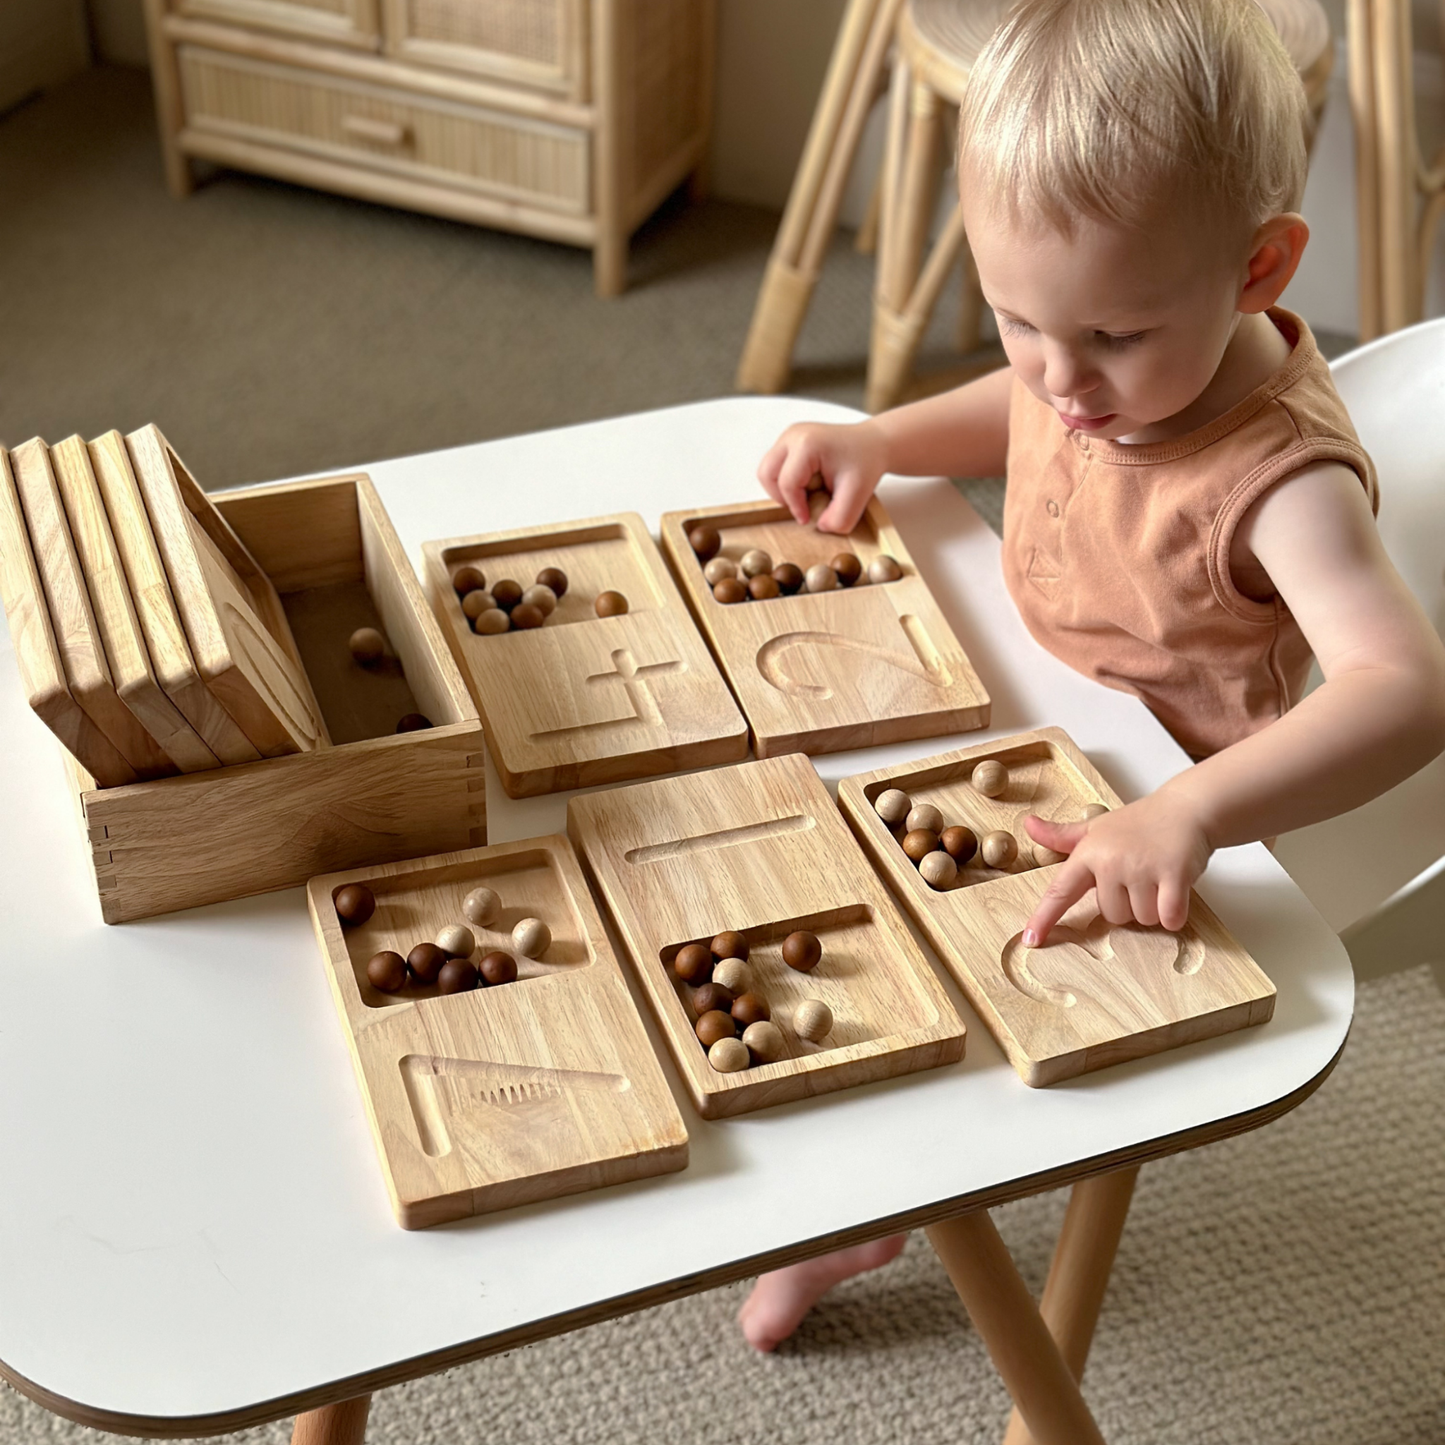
(1117, 556)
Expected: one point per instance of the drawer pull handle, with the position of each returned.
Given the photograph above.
(383, 132)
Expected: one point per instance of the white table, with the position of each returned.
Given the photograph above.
(197, 1237)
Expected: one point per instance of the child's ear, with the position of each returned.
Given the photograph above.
(1274, 253)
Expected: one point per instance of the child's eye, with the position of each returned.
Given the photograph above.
(1119, 343)
(1013, 327)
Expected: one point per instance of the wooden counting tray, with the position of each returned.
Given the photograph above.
(1094, 995)
(234, 620)
(509, 1094)
(851, 668)
(760, 848)
(583, 699)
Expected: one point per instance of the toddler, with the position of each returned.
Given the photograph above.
(1189, 514)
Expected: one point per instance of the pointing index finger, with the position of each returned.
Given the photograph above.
(1071, 883)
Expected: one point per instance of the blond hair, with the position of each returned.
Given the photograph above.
(1126, 110)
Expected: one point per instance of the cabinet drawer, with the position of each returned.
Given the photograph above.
(385, 129)
(541, 43)
(352, 22)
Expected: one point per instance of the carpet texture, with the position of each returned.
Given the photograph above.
(1286, 1288)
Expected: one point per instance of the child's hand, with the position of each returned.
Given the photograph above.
(850, 460)
(1142, 860)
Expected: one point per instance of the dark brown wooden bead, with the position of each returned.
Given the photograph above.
(499, 967)
(751, 1009)
(468, 579)
(730, 945)
(693, 963)
(610, 604)
(525, 615)
(731, 589)
(425, 962)
(788, 576)
(387, 971)
(507, 593)
(764, 587)
(802, 950)
(705, 542)
(919, 844)
(458, 975)
(412, 722)
(714, 1026)
(555, 578)
(848, 568)
(709, 996)
(959, 843)
(355, 903)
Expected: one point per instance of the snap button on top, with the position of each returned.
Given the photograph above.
(1052, 507)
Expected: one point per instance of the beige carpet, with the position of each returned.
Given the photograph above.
(1287, 1288)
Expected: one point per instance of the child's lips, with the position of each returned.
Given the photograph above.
(1087, 423)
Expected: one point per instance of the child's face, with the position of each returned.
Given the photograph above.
(1117, 330)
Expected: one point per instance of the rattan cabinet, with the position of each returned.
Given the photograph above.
(568, 119)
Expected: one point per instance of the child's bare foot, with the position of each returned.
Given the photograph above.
(779, 1300)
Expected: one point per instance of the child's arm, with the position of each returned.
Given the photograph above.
(962, 433)
(1378, 717)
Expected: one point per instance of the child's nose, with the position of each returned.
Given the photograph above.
(1066, 374)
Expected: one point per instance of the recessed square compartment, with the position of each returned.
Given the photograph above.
(821, 672)
(505, 1094)
(585, 699)
(1095, 994)
(761, 850)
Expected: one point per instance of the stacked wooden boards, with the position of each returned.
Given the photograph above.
(585, 699)
(848, 668)
(760, 849)
(1095, 994)
(508, 1094)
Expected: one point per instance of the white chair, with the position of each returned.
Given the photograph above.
(1378, 874)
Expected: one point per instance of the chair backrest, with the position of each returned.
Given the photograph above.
(1395, 390)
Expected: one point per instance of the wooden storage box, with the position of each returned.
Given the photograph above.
(374, 795)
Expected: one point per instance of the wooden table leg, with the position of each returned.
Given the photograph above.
(1019, 1343)
(1079, 1274)
(343, 1424)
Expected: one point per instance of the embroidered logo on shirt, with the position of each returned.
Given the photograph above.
(1042, 571)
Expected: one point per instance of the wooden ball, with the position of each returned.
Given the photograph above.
(938, 870)
(498, 967)
(733, 974)
(493, 622)
(789, 577)
(456, 941)
(476, 603)
(610, 604)
(893, 806)
(457, 975)
(481, 906)
(354, 903)
(719, 568)
(730, 590)
(884, 568)
(812, 1019)
(693, 963)
(507, 593)
(764, 1042)
(1044, 857)
(755, 562)
(412, 722)
(750, 1009)
(763, 587)
(425, 962)
(468, 579)
(714, 1026)
(920, 843)
(802, 950)
(821, 578)
(959, 843)
(387, 972)
(1095, 810)
(999, 848)
(531, 938)
(707, 997)
(924, 815)
(525, 616)
(730, 945)
(704, 541)
(367, 645)
(848, 568)
(729, 1056)
(989, 777)
(555, 578)
(542, 597)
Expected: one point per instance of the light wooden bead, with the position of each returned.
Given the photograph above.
(939, 870)
(481, 906)
(1045, 856)
(531, 938)
(542, 597)
(476, 603)
(734, 975)
(1095, 810)
(765, 1042)
(884, 568)
(719, 568)
(456, 940)
(367, 645)
(990, 777)
(756, 562)
(999, 849)
(493, 622)
(729, 1056)
(893, 806)
(924, 815)
(812, 1019)
(821, 578)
